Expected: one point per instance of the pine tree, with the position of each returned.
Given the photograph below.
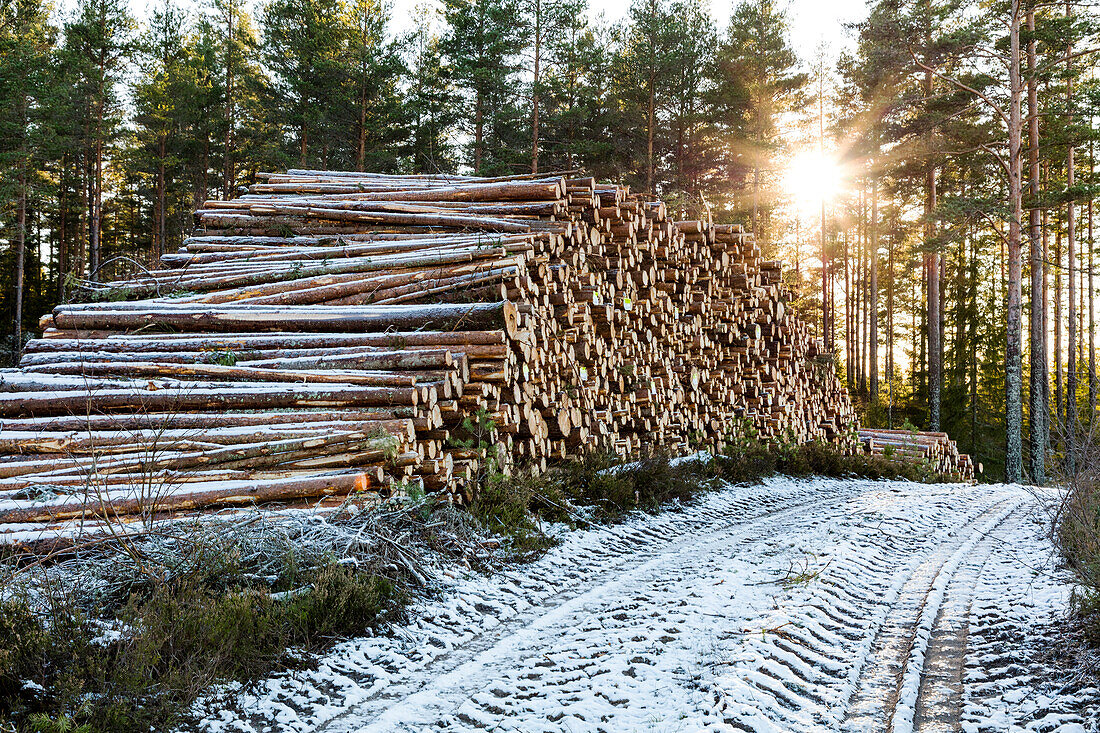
(304, 42)
(430, 102)
(25, 44)
(374, 68)
(98, 44)
(481, 45)
(160, 95)
(758, 52)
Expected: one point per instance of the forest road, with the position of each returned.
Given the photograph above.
(794, 606)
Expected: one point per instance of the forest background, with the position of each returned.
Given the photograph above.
(930, 187)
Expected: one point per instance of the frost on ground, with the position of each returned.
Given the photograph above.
(792, 606)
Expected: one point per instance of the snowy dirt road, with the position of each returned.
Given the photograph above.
(793, 606)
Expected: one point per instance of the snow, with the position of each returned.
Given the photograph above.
(793, 606)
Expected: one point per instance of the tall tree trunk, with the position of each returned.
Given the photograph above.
(890, 333)
(1045, 234)
(478, 133)
(1071, 258)
(652, 89)
(304, 142)
(162, 229)
(96, 224)
(62, 226)
(1059, 404)
(873, 307)
(1013, 366)
(1092, 292)
(230, 111)
(361, 146)
(932, 272)
(1038, 377)
(535, 90)
(826, 327)
(20, 246)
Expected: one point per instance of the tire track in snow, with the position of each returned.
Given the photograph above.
(760, 609)
(448, 684)
(473, 605)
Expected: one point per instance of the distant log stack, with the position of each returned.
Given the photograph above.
(329, 332)
(936, 450)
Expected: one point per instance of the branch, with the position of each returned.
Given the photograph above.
(985, 98)
(998, 156)
(1063, 59)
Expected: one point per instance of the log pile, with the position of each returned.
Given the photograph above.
(936, 450)
(334, 332)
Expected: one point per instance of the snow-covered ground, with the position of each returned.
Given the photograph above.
(792, 606)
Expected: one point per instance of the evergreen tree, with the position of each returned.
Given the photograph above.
(304, 43)
(98, 44)
(481, 46)
(374, 67)
(758, 54)
(25, 45)
(430, 102)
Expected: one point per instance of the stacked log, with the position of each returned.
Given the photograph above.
(935, 450)
(333, 331)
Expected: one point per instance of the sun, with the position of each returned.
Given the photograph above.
(812, 177)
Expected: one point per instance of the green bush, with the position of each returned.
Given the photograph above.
(175, 641)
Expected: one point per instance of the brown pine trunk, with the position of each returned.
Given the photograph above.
(478, 123)
(20, 258)
(62, 227)
(1038, 378)
(535, 90)
(872, 309)
(227, 182)
(1091, 289)
(1071, 259)
(932, 271)
(162, 229)
(1013, 367)
(649, 137)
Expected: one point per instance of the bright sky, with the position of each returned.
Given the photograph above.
(812, 21)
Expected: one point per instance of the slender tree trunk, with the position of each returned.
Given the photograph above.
(304, 142)
(361, 147)
(1038, 377)
(62, 226)
(535, 90)
(932, 273)
(478, 133)
(1013, 367)
(890, 334)
(873, 308)
(227, 182)
(1071, 258)
(1092, 292)
(826, 315)
(649, 137)
(849, 359)
(162, 229)
(97, 208)
(1059, 404)
(1045, 233)
(20, 246)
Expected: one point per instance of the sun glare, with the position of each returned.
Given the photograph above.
(812, 177)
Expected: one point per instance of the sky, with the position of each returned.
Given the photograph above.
(812, 21)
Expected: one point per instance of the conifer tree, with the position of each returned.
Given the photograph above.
(98, 44)
(481, 46)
